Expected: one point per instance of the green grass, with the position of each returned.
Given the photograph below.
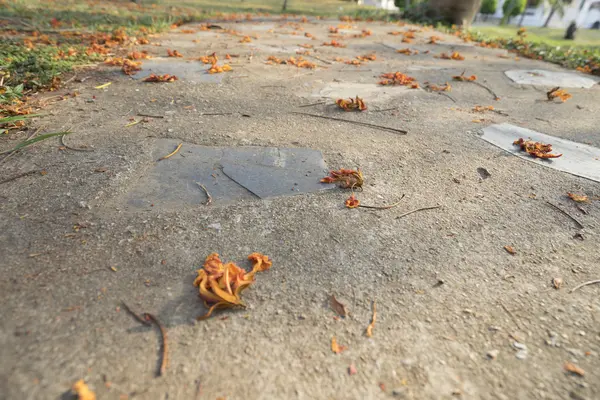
(549, 36)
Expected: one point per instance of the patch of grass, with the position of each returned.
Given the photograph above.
(548, 36)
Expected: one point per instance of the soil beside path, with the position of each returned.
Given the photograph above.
(457, 315)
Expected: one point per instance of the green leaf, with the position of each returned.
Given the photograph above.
(35, 140)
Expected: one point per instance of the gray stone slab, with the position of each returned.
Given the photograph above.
(229, 174)
(551, 78)
(188, 71)
(577, 158)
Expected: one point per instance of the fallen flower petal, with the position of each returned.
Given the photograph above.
(160, 78)
(369, 331)
(464, 78)
(351, 104)
(173, 53)
(338, 307)
(396, 78)
(352, 202)
(510, 250)
(335, 347)
(215, 69)
(579, 198)
(558, 93)
(536, 149)
(574, 369)
(345, 178)
(82, 391)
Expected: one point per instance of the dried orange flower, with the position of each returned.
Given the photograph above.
(298, 62)
(308, 35)
(396, 78)
(558, 93)
(434, 39)
(335, 347)
(131, 67)
(117, 61)
(174, 53)
(536, 149)
(138, 55)
(245, 39)
(351, 104)
(212, 59)
(216, 69)
(352, 202)
(579, 198)
(345, 178)
(82, 391)
(367, 57)
(407, 51)
(406, 40)
(482, 109)
(395, 33)
(306, 46)
(334, 43)
(443, 88)
(409, 35)
(220, 285)
(454, 56)
(464, 78)
(160, 78)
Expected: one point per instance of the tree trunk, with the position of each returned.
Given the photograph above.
(284, 5)
(457, 12)
(550, 16)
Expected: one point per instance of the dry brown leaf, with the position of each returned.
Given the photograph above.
(131, 67)
(345, 178)
(335, 347)
(510, 250)
(221, 285)
(369, 331)
(338, 307)
(579, 198)
(536, 149)
(82, 391)
(574, 369)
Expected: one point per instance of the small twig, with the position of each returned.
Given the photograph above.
(318, 58)
(165, 349)
(510, 314)
(312, 104)
(208, 196)
(585, 284)
(486, 88)
(369, 331)
(150, 115)
(385, 109)
(218, 113)
(417, 210)
(19, 176)
(544, 120)
(383, 207)
(448, 96)
(579, 224)
(66, 146)
(385, 128)
(134, 315)
(172, 153)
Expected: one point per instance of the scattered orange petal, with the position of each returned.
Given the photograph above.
(536, 149)
(369, 331)
(352, 202)
(558, 93)
(174, 53)
(345, 178)
(579, 198)
(574, 369)
(336, 348)
(160, 78)
(82, 391)
(510, 250)
(351, 104)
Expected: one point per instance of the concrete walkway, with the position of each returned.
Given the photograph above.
(457, 315)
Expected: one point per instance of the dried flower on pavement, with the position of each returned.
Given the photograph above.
(298, 62)
(578, 198)
(138, 55)
(369, 331)
(221, 285)
(217, 69)
(407, 51)
(454, 56)
(160, 78)
(536, 149)
(335, 347)
(434, 39)
(345, 178)
(174, 53)
(351, 104)
(574, 369)
(464, 78)
(352, 202)
(131, 67)
(443, 88)
(333, 43)
(397, 78)
(338, 307)
(510, 250)
(558, 93)
(82, 391)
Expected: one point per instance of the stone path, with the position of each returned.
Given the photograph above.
(458, 316)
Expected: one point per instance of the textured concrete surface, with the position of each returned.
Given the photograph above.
(457, 315)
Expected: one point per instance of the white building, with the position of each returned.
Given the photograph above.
(584, 12)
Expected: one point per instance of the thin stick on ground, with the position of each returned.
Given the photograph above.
(208, 196)
(385, 128)
(383, 207)
(312, 104)
(165, 348)
(385, 109)
(369, 331)
(486, 88)
(318, 58)
(6, 157)
(217, 113)
(510, 314)
(579, 224)
(172, 153)
(137, 317)
(12, 178)
(66, 146)
(585, 284)
(417, 210)
(150, 115)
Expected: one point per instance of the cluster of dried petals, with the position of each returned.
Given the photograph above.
(220, 285)
(363, 33)
(138, 55)
(160, 78)
(464, 78)
(398, 78)
(442, 88)
(367, 57)
(217, 69)
(212, 59)
(333, 43)
(131, 67)
(345, 178)
(298, 62)
(351, 104)
(434, 39)
(454, 56)
(116, 61)
(173, 53)
(536, 149)
(309, 35)
(82, 391)
(352, 202)
(245, 39)
(482, 109)
(578, 198)
(558, 93)
(407, 51)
